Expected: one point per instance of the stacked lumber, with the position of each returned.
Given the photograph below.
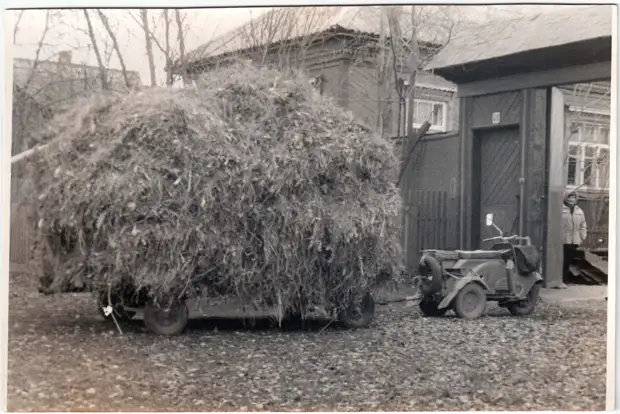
(589, 267)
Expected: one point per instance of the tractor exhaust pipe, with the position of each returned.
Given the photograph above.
(428, 262)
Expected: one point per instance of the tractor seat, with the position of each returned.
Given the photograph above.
(444, 255)
(480, 254)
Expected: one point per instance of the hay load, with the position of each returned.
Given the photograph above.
(248, 184)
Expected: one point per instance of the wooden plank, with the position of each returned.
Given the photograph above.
(568, 75)
(445, 220)
(592, 275)
(596, 262)
(601, 251)
(442, 220)
(422, 219)
(412, 253)
(433, 218)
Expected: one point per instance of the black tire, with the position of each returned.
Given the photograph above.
(168, 322)
(429, 308)
(120, 313)
(359, 316)
(470, 302)
(527, 306)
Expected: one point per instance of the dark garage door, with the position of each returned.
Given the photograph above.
(498, 178)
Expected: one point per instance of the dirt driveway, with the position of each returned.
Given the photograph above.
(63, 357)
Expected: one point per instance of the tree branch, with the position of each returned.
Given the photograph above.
(16, 28)
(93, 39)
(35, 64)
(106, 24)
(149, 45)
(181, 39)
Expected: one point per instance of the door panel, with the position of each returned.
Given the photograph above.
(499, 159)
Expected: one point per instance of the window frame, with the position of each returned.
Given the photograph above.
(444, 107)
(580, 167)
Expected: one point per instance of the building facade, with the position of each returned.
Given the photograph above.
(337, 48)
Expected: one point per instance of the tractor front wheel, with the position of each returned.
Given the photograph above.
(470, 302)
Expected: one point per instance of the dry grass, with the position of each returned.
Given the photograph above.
(249, 184)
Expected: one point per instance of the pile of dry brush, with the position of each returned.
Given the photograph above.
(249, 183)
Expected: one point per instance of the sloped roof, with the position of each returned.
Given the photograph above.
(564, 25)
(55, 83)
(435, 24)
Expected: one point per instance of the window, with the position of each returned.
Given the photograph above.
(588, 165)
(595, 132)
(431, 111)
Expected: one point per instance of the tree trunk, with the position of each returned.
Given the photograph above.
(149, 45)
(106, 24)
(381, 72)
(412, 65)
(181, 39)
(93, 40)
(169, 79)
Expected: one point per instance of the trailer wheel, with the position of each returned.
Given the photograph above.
(527, 306)
(359, 315)
(170, 321)
(430, 308)
(470, 302)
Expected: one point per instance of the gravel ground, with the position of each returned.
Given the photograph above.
(63, 357)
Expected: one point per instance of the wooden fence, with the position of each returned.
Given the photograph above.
(430, 221)
(21, 241)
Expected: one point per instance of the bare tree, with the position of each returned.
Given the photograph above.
(282, 36)
(16, 27)
(181, 40)
(164, 46)
(408, 57)
(149, 45)
(106, 24)
(93, 40)
(35, 63)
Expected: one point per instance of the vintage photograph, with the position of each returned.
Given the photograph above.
(317, 208)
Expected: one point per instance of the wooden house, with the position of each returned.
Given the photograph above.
(337, 48)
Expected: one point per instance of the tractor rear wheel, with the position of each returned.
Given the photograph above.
(170, 321)
(359, 315)
(527, 306)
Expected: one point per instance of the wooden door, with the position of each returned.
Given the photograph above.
(499, 161)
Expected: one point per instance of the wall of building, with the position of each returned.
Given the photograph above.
(351, 79)
(430, 196)
(363, 98)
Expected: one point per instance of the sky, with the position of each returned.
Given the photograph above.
(68, 31)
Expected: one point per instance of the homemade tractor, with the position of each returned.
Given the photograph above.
(465, 281)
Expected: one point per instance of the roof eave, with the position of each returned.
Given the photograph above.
(456, 72)
(336, 30)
